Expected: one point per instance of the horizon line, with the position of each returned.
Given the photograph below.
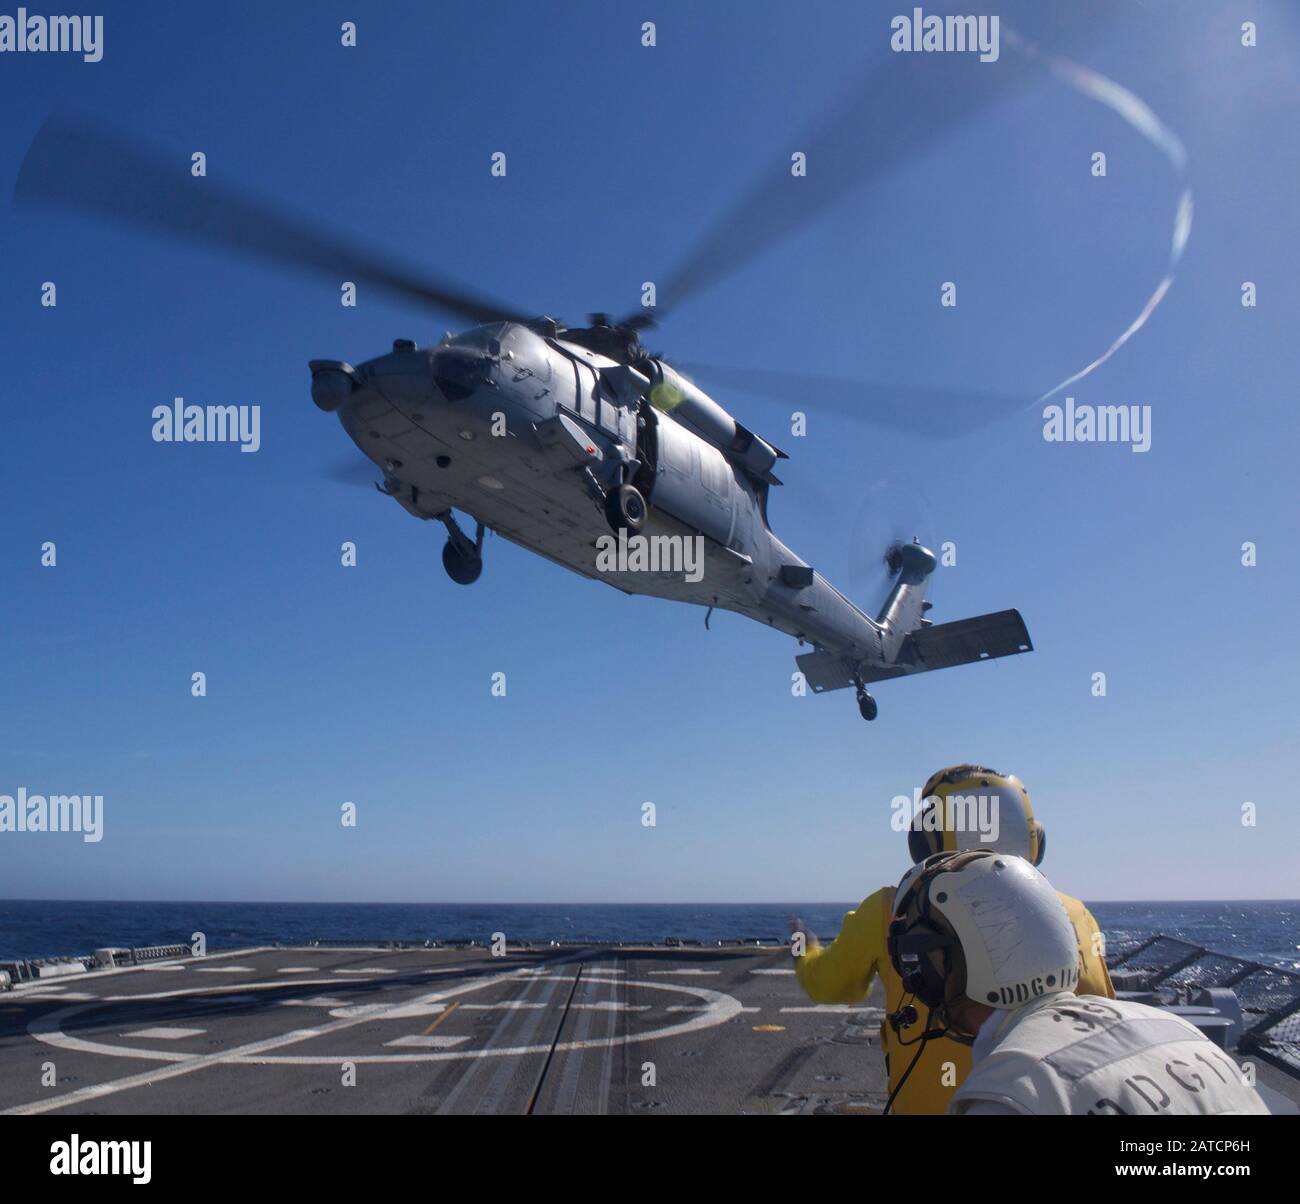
(558, 903)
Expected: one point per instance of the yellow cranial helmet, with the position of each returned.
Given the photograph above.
(971, 807)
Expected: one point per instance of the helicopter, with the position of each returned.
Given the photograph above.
(562, 439)
(558, 439)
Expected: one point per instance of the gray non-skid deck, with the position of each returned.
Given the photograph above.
(317, 1030)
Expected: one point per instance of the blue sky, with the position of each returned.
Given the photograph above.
(372, 684)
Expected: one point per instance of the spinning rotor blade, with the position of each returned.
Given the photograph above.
(935, 413)
(894, 512)
(75, 164)
(898, 111)
(886, 119)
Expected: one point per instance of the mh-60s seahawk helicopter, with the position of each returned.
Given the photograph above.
(554, 437)
(593, 435)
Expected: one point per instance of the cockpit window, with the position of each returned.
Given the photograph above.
(480, 338)
(458, 373)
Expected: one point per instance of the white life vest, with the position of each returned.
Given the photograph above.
(1085, 1055)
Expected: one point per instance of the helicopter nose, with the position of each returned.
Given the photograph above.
(402, 377)
(388, 406)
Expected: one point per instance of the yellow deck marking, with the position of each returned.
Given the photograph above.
(769, 1028)
(443, 1016)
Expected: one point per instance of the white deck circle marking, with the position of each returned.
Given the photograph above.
(431, 1042)
(718, 1009)
(216, 992)
(700, 1007)
(45, 997)
(610, 1005)
(715, 1009)
(837, 1009)
(163, 1033)
(506, 1005)
(41, 1030)
(387, 1011)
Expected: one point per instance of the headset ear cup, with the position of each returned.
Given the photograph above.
(916, 844)
(911, 942)
(1040, 843)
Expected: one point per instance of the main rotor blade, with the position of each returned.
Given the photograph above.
(904, 107)
(935, 413)
(75, 164)
(885, 120)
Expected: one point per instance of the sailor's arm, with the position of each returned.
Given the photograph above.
(841, 972)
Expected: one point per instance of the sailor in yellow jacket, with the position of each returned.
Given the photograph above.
(964, 807)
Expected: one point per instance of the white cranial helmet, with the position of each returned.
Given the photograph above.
(984, 925)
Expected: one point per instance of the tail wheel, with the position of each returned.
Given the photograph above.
(625, 509)
(867, 707)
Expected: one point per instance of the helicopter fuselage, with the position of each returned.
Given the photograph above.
(525, 433)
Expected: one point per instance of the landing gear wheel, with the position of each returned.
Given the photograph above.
(867, 706)
(625, 509)
(462, 569)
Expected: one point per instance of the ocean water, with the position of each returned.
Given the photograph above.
(1267, 932)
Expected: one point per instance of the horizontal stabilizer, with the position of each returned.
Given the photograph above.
(982, 638)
